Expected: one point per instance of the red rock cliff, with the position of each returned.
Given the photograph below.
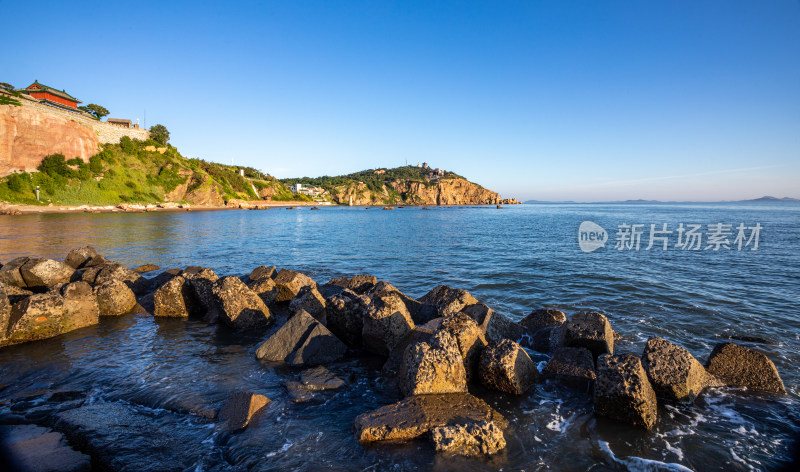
(27, 134)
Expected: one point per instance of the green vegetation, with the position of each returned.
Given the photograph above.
(6, 100)
(125, 172)
(159, 134)
(96, 111)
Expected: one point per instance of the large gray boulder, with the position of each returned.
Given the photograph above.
(386, 324)
(345, 313)
(239, 307)
(308, 299)
(590, 330)
(571, 366)
(40, 273)
(448, 300)
(114, 298)
(742, 367)
(417, 415)
(43, 316)
(32, 448)
(80, 257)
(473, 438)
(173, 299)
(673, 372)
(240, 409)
(435, 367)
(506, 367)
(302, 340)
(289, 284)
(201, 290)
(623, 392)
(9, 273)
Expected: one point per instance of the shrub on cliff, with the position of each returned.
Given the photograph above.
(55, 165)
(159, 134)
(19, 182)
(128, 146)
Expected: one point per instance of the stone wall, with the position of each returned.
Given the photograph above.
(32, 131)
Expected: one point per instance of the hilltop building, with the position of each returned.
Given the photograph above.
(51, 96)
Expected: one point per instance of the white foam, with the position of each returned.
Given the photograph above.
(283, 448)
(638, 464)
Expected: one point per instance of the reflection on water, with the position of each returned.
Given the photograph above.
(515, 260)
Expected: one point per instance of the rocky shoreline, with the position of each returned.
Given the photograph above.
(437, 348)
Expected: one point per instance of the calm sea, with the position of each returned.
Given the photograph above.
(515, 260)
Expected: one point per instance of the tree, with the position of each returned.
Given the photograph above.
(6, 86)
(95, 110)
(159, 134)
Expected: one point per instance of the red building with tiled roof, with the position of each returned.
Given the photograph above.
(41, 91)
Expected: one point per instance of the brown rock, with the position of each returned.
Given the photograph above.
(622, 391)
(40, 273)
(739, 366)
(239, 307)
(362, 284)
(80, 304)
(469, 337)
(345, 313)
(301, 341)
(9, 273)
(496, 325)
(470, 439)
(201, 288)
(506, 367)
(420, 313)
(312, 380)
(386, 323)
(240, 409)
(573, 367)
(310, 301)
(289, 284)
(435, 367)
(114, 298)
(262, 272)
(5, 312)
(674, 373)
(448, 300)
(542, 318)
(172, 300)
(79, 257)
(415, 416)
(43, 316)
(264, 288)
(16, 294)
(115, 271)
(145, 268)
(590, 330)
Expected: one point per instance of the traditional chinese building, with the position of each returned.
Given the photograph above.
(49, 94)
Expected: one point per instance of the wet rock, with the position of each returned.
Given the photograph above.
(114, 298)
(119, 438)
(262, 272)
(395, 360)
(80, 304)
(673, 372)
(312, 380)
(543, 318)
(622, 391)
(496, 325)
(345, 313)
(547, 339)
(308, 299)
(415, 416)
(590, 330)
(470, 439)
(40, 273)
(240, 409)
(163, 278)
(506, 367)
(573, 367)
(420, 313)
(289, 284)
(16, 294)
(435, 367)
(239, 307)
(5, 312)
(115, 271)
(302, 341)
(145, 268)
(387, 323)
(341, 282)
(79, 258)
(201, 290)
(42, 316)
(469, 337)
(742, 367)
(448, 300)
(31, 448)
(172, 300)
(265, 288)
(362, 284)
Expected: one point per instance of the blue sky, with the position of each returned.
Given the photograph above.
(557, 100)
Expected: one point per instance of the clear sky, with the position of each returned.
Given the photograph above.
(556, 100)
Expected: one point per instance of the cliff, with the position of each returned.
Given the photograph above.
(29, 131)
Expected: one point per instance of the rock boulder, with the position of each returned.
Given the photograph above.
(78, 258)
(739, 366)
(302, 341)
(308, 299)
(469, 439)
(435, 367)
(114, 298)
(40, 273)
(673, 372)
(240, 409)
(289, 284)
(386, 324)
(448, 300)
(345, 313)
(239, 307)
(622, 391)
(542, 318)
(506, 367)
(573, 367)
(590, 330)
(173, 300)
